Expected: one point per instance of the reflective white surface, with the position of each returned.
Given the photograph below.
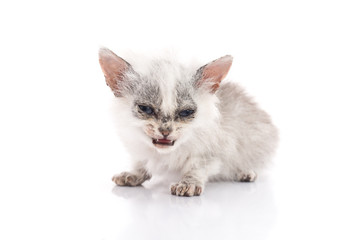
(225, 210)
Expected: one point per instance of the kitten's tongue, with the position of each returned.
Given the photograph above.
(164, 141)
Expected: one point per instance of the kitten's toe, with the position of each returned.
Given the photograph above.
(246, 176)
(125, 179)
(186, 189)
(173, 189)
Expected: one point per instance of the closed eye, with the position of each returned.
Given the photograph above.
(186, 113)
(146, 109)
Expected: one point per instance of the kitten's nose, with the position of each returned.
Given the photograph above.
(165, 132)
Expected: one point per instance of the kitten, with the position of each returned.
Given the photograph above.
(177, 118)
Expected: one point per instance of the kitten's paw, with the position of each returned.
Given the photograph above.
(186, 189)
(126, 179)
(246, 176)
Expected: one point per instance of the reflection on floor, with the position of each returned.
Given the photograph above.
(225, 211)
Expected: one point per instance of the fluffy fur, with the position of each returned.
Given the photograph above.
(226, 138)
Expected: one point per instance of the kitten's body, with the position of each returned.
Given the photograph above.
(227, 137)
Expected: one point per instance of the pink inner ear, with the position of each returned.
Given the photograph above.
(216, 71)
(113, 68)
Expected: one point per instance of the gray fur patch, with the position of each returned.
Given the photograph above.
(145, 91)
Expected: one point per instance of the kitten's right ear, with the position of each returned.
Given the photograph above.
(210, 75)
(114, 69)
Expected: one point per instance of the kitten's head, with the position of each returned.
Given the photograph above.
(167, 101)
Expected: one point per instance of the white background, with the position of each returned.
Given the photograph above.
(58, 148)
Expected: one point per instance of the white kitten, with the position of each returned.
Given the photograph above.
(179, 119)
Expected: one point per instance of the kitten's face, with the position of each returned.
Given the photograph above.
(166, 100)
(165, 108)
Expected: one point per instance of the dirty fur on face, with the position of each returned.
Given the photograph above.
(179, 118)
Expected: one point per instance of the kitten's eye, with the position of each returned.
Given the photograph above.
(186, 113)
(146, 109)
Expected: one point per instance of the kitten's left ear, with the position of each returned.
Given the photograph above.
(114, 69)
(211, 74)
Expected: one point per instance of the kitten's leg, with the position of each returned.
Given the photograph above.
(133, 178)
(246, 176)
(196, 174)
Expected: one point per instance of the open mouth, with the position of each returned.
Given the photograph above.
(163, 142)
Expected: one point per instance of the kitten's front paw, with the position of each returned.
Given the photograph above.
(186, 189)
(126, 179)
